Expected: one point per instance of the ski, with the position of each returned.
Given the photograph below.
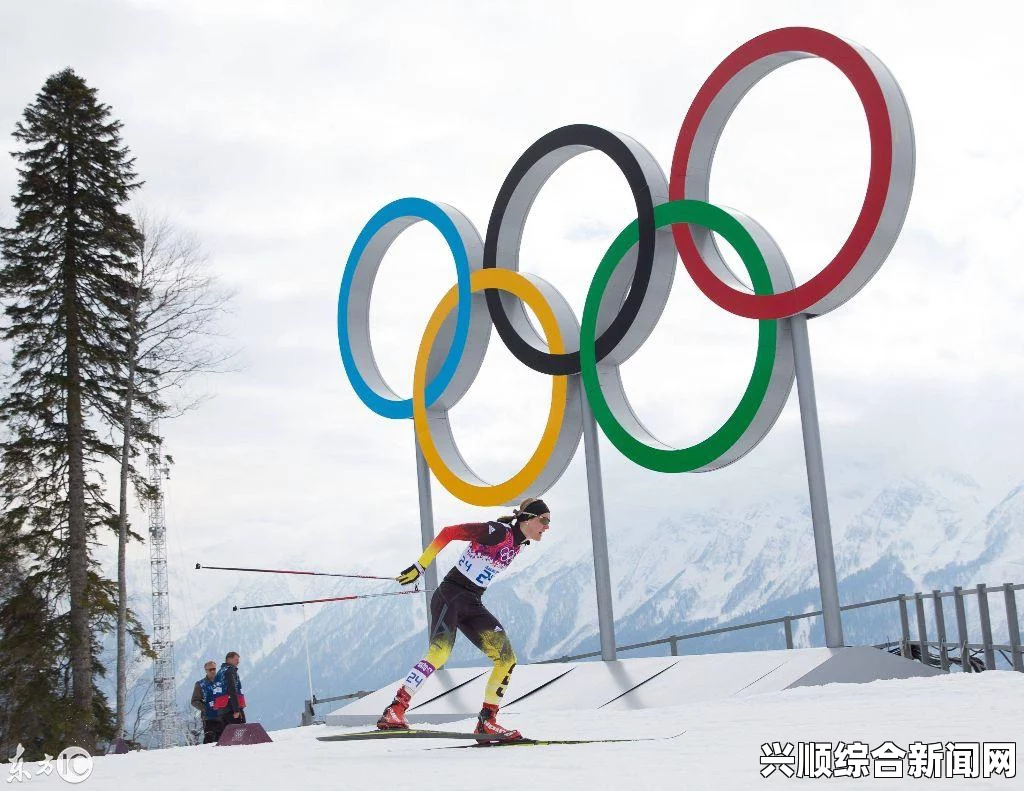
(409, 733)
(555, 742)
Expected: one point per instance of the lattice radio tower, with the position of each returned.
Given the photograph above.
(165, 715)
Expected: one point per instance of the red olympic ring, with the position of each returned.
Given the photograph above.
(855, 263)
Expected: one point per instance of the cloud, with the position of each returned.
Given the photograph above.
(274, 132)
(586, 230)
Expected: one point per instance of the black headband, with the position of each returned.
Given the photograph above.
(536, 508)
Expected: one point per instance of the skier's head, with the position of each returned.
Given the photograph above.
(533, 517)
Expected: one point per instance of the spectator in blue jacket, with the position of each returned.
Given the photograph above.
(230, 702)
(204, 693)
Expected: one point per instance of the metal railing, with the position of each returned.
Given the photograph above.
(1012, 652)
(912, 648)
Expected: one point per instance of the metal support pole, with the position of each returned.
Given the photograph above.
(1013, 626)
(940, 628)
(961, 629)
(788, 626)
(674, 646)
(922, 629)
(828, 584)
(598, 533)
(309, 667)
(904, 628)
(426, 524)
(986, 627)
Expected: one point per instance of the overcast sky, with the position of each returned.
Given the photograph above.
(273, 131)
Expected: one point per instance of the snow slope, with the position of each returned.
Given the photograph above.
(719, 750)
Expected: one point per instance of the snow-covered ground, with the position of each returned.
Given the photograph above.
(720, 749)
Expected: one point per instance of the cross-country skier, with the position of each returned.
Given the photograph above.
(457, 604)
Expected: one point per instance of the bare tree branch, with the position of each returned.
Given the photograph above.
(174, 335)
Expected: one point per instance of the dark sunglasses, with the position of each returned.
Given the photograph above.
(544, 520)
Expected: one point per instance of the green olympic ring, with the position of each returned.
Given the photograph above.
(704, 454)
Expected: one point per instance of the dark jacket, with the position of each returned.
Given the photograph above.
(230, 686)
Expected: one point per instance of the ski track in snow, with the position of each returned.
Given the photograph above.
(719, 750)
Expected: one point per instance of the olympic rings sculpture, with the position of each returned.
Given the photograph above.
(630, 287)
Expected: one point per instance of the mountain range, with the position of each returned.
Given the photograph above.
(690, 571)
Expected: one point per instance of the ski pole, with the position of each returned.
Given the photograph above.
(290, 571)
(236, 608)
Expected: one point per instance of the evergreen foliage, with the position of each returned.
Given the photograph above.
(67, 288)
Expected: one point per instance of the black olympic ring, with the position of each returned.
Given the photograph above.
(519, 190)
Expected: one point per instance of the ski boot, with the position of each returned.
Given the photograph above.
(487, 723)
(393, 718)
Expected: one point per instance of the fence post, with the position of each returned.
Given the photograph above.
(674, 645)
(961, 629)
(904, 627)
(986, 627)
(788, 625)
(922, 629)
(1013, 626)
(940, 628)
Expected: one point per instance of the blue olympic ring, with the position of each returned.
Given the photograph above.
(403, 209)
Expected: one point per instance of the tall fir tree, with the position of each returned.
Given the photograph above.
(66, 284)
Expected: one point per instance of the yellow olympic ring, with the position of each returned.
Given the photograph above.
(498, 494)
